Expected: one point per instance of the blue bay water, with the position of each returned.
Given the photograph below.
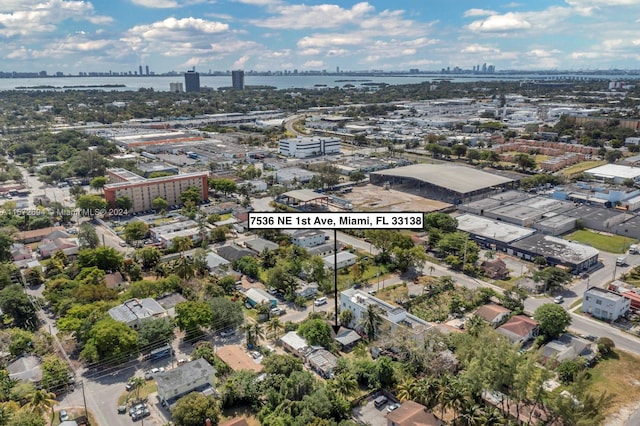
(161, 83)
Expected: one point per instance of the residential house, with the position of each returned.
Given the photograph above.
(259, 245)
(189, 377)
(495, 269)
(519, 329)
(605, 304)
(411, 413)
(341, 260)
(256, 296)
(52, 244)
(307, 290)
(347, 339)
(25, 369)
(134, 311)
(35, 235)
(216, 262)
(233, 252)
(322, 361)
(114, 280)
(20, 252)
(295, 344)
(169, 302)
(493, 314)
(393, 317)
(236, 421)
(321, 250)
(308, 238)
(568, 347)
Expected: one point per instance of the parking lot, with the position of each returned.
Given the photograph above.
(369, 414)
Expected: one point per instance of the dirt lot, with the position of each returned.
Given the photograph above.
(375, 198)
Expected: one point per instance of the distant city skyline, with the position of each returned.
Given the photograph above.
(160, 36)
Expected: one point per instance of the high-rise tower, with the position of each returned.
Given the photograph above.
(192, 81)
(237, 79)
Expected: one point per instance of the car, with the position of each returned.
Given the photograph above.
(141, 413)
(64, 416)
(122, 409)
(123, 244)
(590, 337)
(137, 408)
(227, 333)
(558, 299)
(276, 311)
(129, 386)
(392, 407)
(148, 375)
(320, 301)
(256, 355)
(157, 370)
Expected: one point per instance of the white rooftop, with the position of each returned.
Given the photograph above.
(611, 171)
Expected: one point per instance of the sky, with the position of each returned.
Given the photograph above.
(70, 36)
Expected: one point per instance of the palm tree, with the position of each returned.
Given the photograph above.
(182, 244)
(138, 383)
(184, 268)
(457, 396)
(427, 392)
(40, 401)
(372, 321)
(258, 332)
(274, 326)
(442, 394)
(250, 337)
(344, 384)
(407, 389)
(471, 415)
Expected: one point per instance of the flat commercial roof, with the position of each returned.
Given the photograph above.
(454, 177)
(548, 246)
(611, 171)
(304, 195)
(492, 229)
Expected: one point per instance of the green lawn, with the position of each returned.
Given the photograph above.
(618, 376)
(576, 169)
(149, 387)
(603, 242)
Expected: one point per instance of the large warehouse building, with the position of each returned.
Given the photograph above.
(446, 182)
(142, 191)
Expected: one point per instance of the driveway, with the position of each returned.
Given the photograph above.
(368, 414)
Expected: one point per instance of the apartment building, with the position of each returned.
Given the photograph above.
(605, 304)
(143, 191)
(309, 147)
(394, 317)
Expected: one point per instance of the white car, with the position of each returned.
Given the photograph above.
(392, 407)
(558, 299)
(320, 301)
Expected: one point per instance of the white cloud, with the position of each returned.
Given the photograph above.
(589, 3)
(310, 52)
(301, 16)
(156, 4)
(33, 18)
(478, 12)
(313, 64)
(260, 2)
(240, 62)
(330, 40)
(168, 4)
(500, 23)
(477, 48)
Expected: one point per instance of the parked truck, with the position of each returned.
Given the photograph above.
(633, 249)
(621, 260)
